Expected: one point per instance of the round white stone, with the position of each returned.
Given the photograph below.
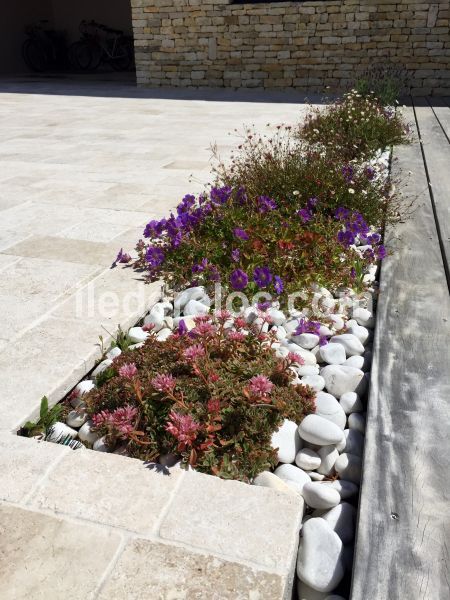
(308, 370)
(317, 382)
(287, 440)
(319, 562)
(155, 317)
(84, 387)
(164, 334)
(280, 332)
(363, 316)
(137, 334)
(354, 442)
(292, 473)
(328, 456)
(333, 354)
(329, 408)
(325, 331)
(337, 322)
(307, 459)
(270, 480)
(316, 476)
(86, 433)
(114, 353)
(340, 379)
(318, 495)
(350, 342)
(76, 418)
(105, 364)
(351, 402)
(320, 431)
(360, 332)
(306, 340)
(195, 308)
(60, 430)
(346, 489)
(190, 293)
(100, 445)
(357, 421)
(278, 317)
(356, 361)
(349, 467)
(342, 520)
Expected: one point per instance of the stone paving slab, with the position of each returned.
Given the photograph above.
(172, 573)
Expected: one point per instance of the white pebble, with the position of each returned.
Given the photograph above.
(333, 354)
(319, 495)
(320, 431)
(328, 456)
(137, 334)
(351, 343)
(351, 402)
(308, 459)
(287, 440)
(357, 421)
(292, 473)
(349, 466)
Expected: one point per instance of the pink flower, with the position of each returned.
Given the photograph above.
(148, 327)
(194, 352)
(240, 323)
(236, 336)
(163, 383)
(202, 319)
(265, 316)
(296, 358)
(214, 405)
(222, 315)
(120, 422)
(183, 428)
(203, 329)
(260, 385)
(128, 370)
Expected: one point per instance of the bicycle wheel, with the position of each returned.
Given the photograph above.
(85, 55)
(34, 55)
(122, 58)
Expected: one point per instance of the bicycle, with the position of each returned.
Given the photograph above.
(100, 43)
(44, 49)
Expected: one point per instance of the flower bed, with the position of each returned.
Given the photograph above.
(272, 392)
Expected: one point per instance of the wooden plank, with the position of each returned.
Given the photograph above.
(437, 158)
(442, 113)
(404, 518)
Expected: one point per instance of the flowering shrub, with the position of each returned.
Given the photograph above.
(355, 127)
(213, 396)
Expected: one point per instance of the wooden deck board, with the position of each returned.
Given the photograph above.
(404, 518)
(437, 157)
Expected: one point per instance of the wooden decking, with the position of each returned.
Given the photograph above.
(404, 524)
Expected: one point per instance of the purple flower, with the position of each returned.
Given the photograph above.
(370, 173)
(220, 195)
(240, 233)
(263, 306)
(154, 256)
(341, 213)
(262, 276)
(278, 285)
(347, 172)
(235, 255)
(323, 340)
(306, 326)
(241, 196)
(201, 266)
(182, 327)
(238, 279)
(265, 204)
(381, 252)
(305, 215)
(312, 202)
(374, 239)
(353, 272)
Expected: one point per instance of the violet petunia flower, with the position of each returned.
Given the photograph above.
(238, 279)
(262, 276)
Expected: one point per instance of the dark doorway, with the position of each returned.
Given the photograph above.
(55, 27)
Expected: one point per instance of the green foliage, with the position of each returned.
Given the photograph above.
(47, 418)
(203, 408)
(385, 81)
(355, 127)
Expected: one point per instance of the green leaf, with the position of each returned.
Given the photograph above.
(44, 408)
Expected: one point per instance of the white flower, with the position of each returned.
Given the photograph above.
(295, 193)
(351, 191)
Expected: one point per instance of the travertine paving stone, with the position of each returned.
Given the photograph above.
(154, 571)
(23, 463)
(234, 519)
(45, 558)
(109, 489)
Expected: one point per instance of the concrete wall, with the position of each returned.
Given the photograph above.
(305, 45)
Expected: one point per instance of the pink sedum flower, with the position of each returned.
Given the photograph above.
(119, 422)
(194, 352)
(128, 370)
(183, 428)
(163, 383)
(236, 336)
(260, 385)
(296, 358)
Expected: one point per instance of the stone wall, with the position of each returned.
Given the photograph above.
(302, 45)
